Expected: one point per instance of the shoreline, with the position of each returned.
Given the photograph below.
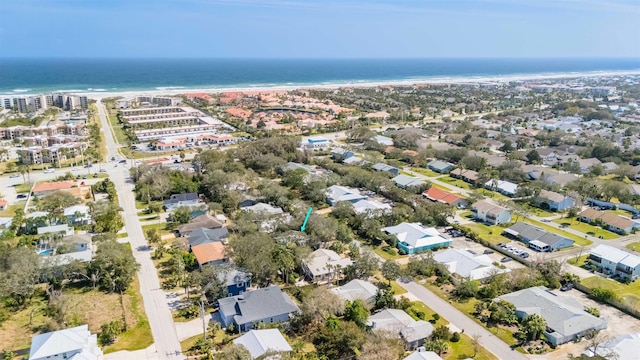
(464, 79)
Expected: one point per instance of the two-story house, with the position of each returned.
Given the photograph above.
(615, 262)
(550, 200)
(490, 213)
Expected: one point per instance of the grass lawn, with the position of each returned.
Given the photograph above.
(141, 205)
(438, 186)
(455, 182)
(426, 172)
(492, 234)
(629, 294)
(578, 261)
(540, 212)
(23, 188)
(463, 349)
(493, 194)
(406, 173)
(418, 305)
(186, 344)
(578, 239)
(587, 228)
(165, 228)
(635, 246)
(10, 210)
(123, 235)
(385, 255)
(397, 289)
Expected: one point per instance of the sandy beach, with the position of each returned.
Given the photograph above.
(176, 90)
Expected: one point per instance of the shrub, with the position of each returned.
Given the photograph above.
(455, 337)
(402, 252)
(441, 333)
(392, 252)
(435, 317)
(593, 311)
(602, 295)
(109, 332)
(190, 311)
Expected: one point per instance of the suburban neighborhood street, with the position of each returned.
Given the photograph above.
(155, 303)
(492, 343)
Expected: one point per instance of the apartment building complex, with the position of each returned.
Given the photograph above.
(35, 103)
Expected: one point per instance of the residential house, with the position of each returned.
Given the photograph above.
(353, 160)
(340, 154)
(236, 280)
(550, 200)
(77, 215)
(383, 140)
(609, 167)
(265, 305)
(72, 343)
(62, 229)
(263, 208)
(77, 248)
(386, 168)
(338, 193)
(414, 237)
(373, 208)
(623, 347)
(422, 354)
(313, 170)
(490, 213)
(537, 238)
(324, 264)
(203, 236)
(587, 164)
(395, 321)
(439, 166)
(206, 221)
(611, 222)
(503, 187)
(405, 182)
(210, 253)
(46, 188)
(260, 342)
(178, 200)
(616, 262)
(3, 204)
(445, 197)
(357, 290)
(468, 176)
(467, 264)
(565, 316)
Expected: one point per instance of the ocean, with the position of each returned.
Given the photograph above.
(22, 76)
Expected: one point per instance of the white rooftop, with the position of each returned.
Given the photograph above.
(624, 347)
(319, 259)
(363, 206)
(260, 342)
(77, 343)
(415, 235)
(616, 255)
(467, 264)
(356, 290)
(423, 355)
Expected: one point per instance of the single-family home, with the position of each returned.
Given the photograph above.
(313, 170)
(315, 143)
(386, 168)
(439, 166)
(623, 347)
(616, 262)
(46, 188)
(338, 193)
(405, 182)
(468, 176)
(72, 343)
(503, 187)
(206, 221)
(77, 247)
(265, 305)
(550, 200)
(395, 321)
(177, 200)
(445, 197)
(587, 164)
(77, 214)
(565, 316)
(324, 264)
(422, 354)
(612, 222)
(467, 264)
(62, 229)
(357, 290)
(260, 342)
(383, 140)
(490, 213)
(211, 253)
(609, 167)
(353, 160)
(373, 208)
(203, 235)
(341, 154)
(537, 238)
(236, 280)
(414, 237)
(263, 208)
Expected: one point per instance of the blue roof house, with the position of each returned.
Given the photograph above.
(441, 167)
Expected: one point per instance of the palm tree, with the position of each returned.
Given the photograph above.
(533, 325)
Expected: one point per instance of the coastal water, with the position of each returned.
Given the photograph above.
(20, 76)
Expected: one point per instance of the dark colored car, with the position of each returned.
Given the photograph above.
(488, 251)
(505, 259)
(567, 287)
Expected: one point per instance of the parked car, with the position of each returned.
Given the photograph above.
(22, 196)
(49, 171)
(488, 251)
(123, 161)
(113, 158)
(13, 176)
(505, 259)
(567, 287)
(524, 255)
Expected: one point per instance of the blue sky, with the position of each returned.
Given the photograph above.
(319, 29)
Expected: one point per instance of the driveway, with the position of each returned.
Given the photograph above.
(461, 321)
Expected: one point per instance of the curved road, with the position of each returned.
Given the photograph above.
(155, 304)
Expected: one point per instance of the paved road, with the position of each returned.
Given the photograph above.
(155, 303)
(492, 343)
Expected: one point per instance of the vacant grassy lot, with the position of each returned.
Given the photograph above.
(635, 246)
(385, 255)
(492, 234)
(455, 182)
(587, 228)
(426, 172)
(629, 294)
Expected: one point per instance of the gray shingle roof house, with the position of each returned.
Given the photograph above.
(203, 221)
(396, 321)
(338, 193)
(264, 208)
(553, 201)
(260, 342)
(384, 167)
(177, 200)
(323, 264)
(357, 290)
(490, 213)
(203, 235)
(266, 305)
(440, 166)
(565, 316)
(404, 181)
(537, 238)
